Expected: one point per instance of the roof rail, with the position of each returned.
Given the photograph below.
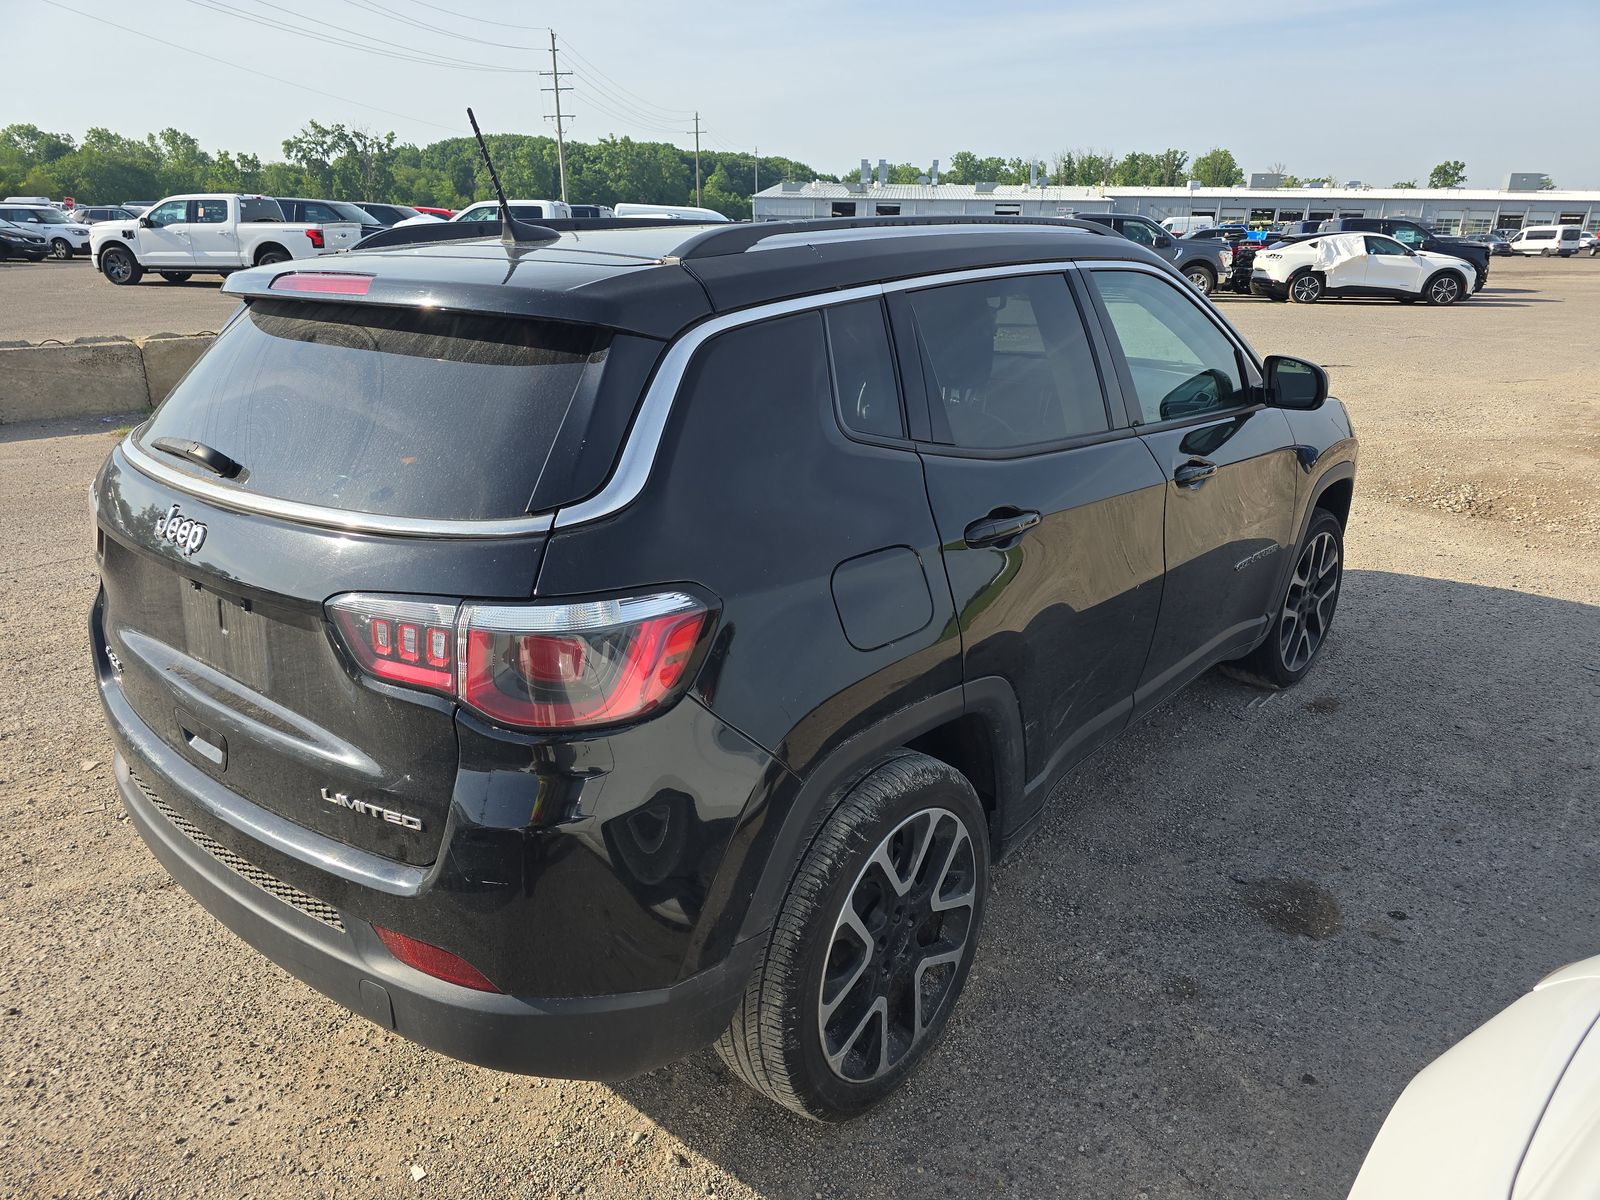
(736, 239)
(545, 230)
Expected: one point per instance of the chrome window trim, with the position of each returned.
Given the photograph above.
(327, 518)
(644, 439)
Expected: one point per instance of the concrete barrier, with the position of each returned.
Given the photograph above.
(92, 376)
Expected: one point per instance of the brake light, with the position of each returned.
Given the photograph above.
(431, 960)
(533, 666)
(316, 237)
(328, 282)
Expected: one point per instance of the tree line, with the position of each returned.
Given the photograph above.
(339, 163)
(344, 163)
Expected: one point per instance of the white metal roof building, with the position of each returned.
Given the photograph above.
(1449, 210)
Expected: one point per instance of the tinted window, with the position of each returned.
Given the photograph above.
(1181, 363)
(1383, 245)
(382, 410)
(1137, 231)
(210, 212)
(1406, 235)
(1007, 363)
(259, 208)
(863, 369)
(170, 213)
(313, 210)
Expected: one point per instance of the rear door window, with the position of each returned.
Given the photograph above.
(1007, 364)
(384, 411)
(259, 209)
(863, 370)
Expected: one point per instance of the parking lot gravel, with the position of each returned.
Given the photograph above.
(1239, 933)
(61, 301)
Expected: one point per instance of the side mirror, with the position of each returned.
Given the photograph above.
(1163, 242)
(1295, 383)
(144, 223)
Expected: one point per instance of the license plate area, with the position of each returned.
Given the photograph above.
(226, 634)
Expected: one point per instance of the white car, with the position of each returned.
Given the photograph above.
(669, 212)
(1359, 264)
(66, 236)
(211, 234)
(487, 212)
(1547, 241)
(1512, 1112)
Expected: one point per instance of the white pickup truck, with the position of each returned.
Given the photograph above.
(210, 235)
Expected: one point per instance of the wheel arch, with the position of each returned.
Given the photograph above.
(977, 729)
(255, 258)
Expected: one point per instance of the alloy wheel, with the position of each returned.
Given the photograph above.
(1201, 282)
(896, 949)
(118, 268)
(1445, 290)
(1307, 288)
(1308, 608)
(61, 248)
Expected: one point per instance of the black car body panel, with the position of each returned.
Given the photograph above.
(774, 431)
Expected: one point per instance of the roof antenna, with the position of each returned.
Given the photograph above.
(506, 234)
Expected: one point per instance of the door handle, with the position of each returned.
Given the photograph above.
(1003, 525)
(1194, 472)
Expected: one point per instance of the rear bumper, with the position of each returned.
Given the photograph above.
(1262, 285)
(596, 1037)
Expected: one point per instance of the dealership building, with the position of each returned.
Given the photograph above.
(1448, 210)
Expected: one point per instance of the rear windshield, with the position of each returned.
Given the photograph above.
(385, 411)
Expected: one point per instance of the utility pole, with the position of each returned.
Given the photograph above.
(557, 87)
(697, 159)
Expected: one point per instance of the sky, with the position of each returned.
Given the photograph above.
(1359, 89)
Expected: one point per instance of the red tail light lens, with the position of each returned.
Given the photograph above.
(533, 666)
(431, 960)
(328, 282)
(316, 237)
(568, 666)
(386, 637)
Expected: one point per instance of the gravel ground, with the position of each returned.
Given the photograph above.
(1239, 933)
(66, 300)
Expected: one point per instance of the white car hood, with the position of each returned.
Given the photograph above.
(1513, 1110)
(1443, 260)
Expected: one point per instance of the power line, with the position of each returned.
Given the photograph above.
(386, 14)
(672, 112)
(234, 66)
(627, 120)
(482, 20)
(410, 54)
(628, 111)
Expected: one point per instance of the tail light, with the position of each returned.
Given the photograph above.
(316, 237)
(431, 960)
(533, 666)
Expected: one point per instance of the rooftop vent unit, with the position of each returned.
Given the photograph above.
(793, 187)
(1524, 181)
(866, 172)
(986, 187)
(883, 173)
(1265, 181)
(934, 174)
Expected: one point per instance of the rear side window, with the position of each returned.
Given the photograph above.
(210, 212)
(863, 370)
(385, 411)
(1008, 364)
(259, 209)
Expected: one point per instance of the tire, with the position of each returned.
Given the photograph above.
(1201, 278)
(60, 248)
(1547, 253)
(1306, 288)
(120, 267)
(176, 276)
(831, 1022)
(1444, 288)
(1299, 629)
(271, 255)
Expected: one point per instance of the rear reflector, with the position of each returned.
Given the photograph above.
(431, 960)
(533, 666)
(325, 282)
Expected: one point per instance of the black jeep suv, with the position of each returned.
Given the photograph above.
(572, 651)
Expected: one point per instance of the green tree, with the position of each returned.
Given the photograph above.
(1546, 184)
(1448, 174)
(1218, 168)
(1404, 183)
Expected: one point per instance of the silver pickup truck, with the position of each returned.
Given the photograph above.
(1203, 263)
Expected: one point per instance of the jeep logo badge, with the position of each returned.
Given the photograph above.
(185, 533)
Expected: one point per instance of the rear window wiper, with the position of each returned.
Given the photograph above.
(200, 454)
